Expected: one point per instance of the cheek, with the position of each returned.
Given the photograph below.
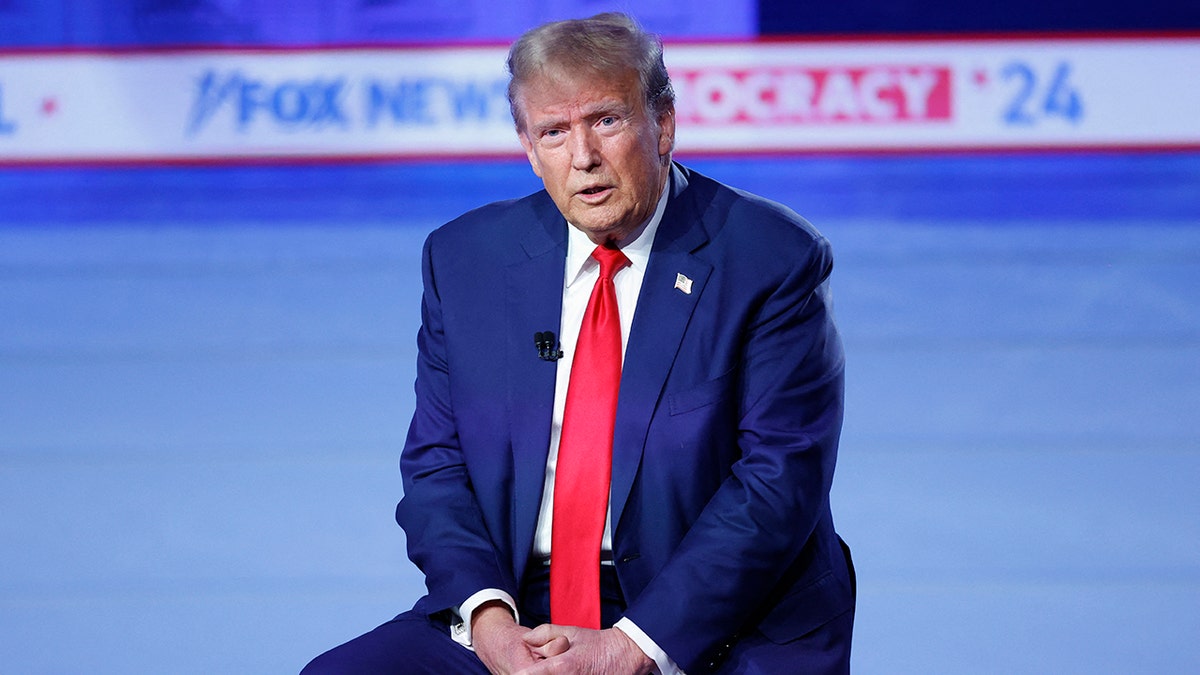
(632, 159)
(554, 177)
(549, 168)
(642, 163)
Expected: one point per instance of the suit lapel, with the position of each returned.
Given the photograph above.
(663, 313)
(534, 303)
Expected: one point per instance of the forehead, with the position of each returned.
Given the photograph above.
(558, 93)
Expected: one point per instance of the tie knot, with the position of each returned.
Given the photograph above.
(610, 259)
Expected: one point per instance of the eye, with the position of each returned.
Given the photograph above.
(608, 121)
(552, 137)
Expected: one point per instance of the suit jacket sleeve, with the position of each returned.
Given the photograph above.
(757, 554)
(442, 519)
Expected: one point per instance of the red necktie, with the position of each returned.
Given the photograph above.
(584, 468)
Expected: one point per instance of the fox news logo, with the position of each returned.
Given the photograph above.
(246, 103)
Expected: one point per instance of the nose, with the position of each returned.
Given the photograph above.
(585, 151)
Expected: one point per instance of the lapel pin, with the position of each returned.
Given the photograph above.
(683, 283)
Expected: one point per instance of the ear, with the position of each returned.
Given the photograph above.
(666, 131)
(530, 154)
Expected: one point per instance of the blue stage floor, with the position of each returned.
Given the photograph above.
(205, 381)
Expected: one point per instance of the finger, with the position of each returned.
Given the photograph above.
(543, 634)
(554, 647)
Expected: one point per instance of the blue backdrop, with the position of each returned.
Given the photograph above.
(205, 380)
(124, 23)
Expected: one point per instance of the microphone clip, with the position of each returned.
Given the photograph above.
(547, 346)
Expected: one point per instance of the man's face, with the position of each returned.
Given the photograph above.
(600, 156)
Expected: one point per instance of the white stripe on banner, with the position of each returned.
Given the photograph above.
(732, 97)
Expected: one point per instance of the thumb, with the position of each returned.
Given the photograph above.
(543, 634)
(547, 640)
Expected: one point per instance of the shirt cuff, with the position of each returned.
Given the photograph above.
(665, 666)
(461, 631)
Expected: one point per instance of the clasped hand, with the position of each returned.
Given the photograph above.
(507, 648)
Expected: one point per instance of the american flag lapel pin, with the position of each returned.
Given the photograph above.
(683, 283)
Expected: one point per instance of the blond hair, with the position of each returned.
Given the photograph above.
(607, 45)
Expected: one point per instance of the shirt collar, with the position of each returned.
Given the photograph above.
(579, 247)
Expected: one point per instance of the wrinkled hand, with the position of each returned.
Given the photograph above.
(497, 639)
(580, 651)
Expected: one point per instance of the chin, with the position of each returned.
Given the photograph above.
(600, 233)
(593, 225)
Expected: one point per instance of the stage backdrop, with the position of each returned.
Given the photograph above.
(733, 97)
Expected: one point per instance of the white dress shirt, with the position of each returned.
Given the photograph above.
(582, 271)
(580, 276)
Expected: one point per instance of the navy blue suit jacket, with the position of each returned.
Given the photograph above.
(727, 424)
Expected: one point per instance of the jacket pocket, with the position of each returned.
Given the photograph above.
(700, 396)
(806, 609)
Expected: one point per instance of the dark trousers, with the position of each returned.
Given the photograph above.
(414, 644)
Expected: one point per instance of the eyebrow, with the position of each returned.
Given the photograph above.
(607, 107)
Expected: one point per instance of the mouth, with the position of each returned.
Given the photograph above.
(594, 193)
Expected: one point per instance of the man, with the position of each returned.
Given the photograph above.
(629, 397)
